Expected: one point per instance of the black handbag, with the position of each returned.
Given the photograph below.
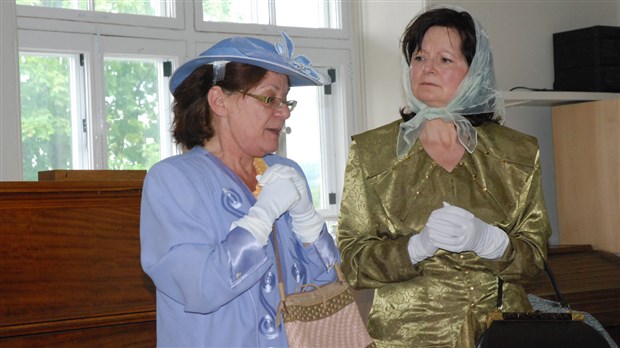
(539, 329)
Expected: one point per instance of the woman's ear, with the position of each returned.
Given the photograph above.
(215, 97)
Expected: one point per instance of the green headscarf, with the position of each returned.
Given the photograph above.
(477, 94)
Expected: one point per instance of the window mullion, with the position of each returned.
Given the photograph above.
(167, 147)
(328, 155)
(271, 4)
(98, 136)
(80, 117)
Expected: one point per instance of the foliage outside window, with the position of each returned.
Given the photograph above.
(289, 13)
(131, 103)
(136, 7)
(46, 113)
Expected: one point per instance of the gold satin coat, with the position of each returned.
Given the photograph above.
(443, 300)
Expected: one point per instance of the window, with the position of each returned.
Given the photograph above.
(48, 82)
(94, 81)
(84, 110)
(136, 123)
(312, 138)
(299, 18)
(135, 7)
(149, 14)
(55, 122)
(290, 13)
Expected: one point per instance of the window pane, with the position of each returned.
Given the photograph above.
(136, 7)
(303, 143)
(306, 13)
(236, 11)
(161, 8)
(45, 93)
(69, 4)
(292, 13)
(132, 103)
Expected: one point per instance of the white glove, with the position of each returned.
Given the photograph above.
(307, 223)
(455, 229)
(420, 246)
(276, 197)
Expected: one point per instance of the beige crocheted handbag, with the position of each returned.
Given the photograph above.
(321, 316)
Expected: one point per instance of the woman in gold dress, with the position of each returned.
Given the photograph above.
(439, 205)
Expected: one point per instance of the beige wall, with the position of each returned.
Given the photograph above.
(520, 32)
(382, 23)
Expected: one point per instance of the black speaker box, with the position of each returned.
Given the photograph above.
(587, 59)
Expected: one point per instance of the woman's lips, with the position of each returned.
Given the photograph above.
(275, 131)
(428, 84)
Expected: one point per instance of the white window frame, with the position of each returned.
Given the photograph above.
(176, 21)
(263, 29)
(119, 47)
(45, 42)
(188, 37)
(337, 134)
(94, 47)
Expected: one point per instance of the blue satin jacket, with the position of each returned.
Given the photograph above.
(217, 287)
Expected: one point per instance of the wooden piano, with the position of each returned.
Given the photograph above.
(71, 274)
(70, 260)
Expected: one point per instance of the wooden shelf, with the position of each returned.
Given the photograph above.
(552, 98)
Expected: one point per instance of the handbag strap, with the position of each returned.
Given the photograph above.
(554, 283)
(278, 266)
(556, 289)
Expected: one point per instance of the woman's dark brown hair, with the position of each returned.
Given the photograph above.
(192, 116)
(463, 24)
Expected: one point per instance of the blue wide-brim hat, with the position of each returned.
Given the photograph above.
(276, 57)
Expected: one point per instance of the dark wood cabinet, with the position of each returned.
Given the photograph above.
(70, 266)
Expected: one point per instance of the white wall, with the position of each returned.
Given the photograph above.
(9, 142)
(382, 24)
(521, 38)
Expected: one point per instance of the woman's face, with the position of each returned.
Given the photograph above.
(255, 125)
(438, 67)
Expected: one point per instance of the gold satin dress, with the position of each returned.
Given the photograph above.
(441, 301)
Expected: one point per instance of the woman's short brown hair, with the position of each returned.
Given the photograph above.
(192, 124)
(461, 22)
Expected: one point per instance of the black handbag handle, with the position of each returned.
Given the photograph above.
(556, 289)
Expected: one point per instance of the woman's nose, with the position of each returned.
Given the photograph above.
(429, 66)
(282, 112)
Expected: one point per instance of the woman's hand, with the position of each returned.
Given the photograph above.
(307, 223)
(456, 229)
(277, 195)
(420, 246)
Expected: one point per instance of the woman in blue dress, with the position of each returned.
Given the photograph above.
(207, 215)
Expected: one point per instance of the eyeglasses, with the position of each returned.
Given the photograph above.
(273, 102)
